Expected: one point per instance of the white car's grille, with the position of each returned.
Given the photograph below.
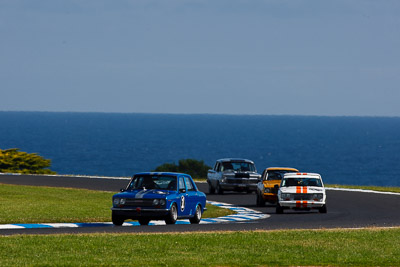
(302, 196)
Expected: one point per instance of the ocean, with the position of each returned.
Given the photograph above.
(344, 150)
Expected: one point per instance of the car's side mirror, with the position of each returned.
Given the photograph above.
(182, 190)
(122, 190)
(276, 187)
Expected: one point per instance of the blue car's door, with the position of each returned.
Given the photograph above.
(188, 196)
(183, 197)
(191, 195)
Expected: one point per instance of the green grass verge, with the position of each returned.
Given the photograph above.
(34, 204)
(370, 247)
(375, 188)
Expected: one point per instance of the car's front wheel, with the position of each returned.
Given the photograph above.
(116, 219)
(279, 209)
(220, 191)
(211, 189)
(144, 221)
(197, 216)
(172, 215)
(323, 209)
(260, 201)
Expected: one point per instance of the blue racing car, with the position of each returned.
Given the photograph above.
(159, 196)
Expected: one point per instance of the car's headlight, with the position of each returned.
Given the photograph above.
(317, 197)
(158, 202)
(285, 196)
(119, 201)
(267, 190)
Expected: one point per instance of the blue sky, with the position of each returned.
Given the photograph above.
(213, 56)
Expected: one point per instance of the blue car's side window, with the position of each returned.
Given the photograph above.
(189, 185)
(181, 183)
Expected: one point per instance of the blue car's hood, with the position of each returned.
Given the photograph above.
(146, 193)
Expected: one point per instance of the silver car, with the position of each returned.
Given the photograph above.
(233, 174)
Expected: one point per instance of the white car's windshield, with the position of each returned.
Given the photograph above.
(153, 182)
(301, 182)
(238, 166)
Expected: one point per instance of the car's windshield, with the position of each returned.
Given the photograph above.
(238, 166)
(153, 182)
(277, 174)
(301, 182)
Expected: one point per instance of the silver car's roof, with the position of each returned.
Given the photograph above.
(235, 160)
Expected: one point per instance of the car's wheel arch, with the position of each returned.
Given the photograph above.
(172, 203)
(195, 219)
(201, 207)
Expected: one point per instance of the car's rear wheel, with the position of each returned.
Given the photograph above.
(116, 219)
(172, 215)
(144, 221)
(197, 216)
(279, 209)
(323, 209)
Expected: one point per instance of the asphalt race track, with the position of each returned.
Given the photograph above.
(346, 209)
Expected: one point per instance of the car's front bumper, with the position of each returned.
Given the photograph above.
(301, 204)
(238, 187)
(270, 197)
(136, 213)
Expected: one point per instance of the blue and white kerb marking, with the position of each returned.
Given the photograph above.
(242, 215)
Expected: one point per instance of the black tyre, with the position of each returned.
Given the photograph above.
(117, 220)
(279, 209)
(211, 189)
(197, 216)
(144, 221)
(172, 215)
(220, 191)
(260, 201)
(323, 209)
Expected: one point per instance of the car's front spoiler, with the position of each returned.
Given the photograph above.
(270, 197)
(234, 187)
(140, 209)
(301, 204)
(137, 213)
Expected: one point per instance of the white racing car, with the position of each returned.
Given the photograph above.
(302, 191)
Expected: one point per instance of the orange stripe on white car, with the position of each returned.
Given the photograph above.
(301, 204)
(301, 189)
